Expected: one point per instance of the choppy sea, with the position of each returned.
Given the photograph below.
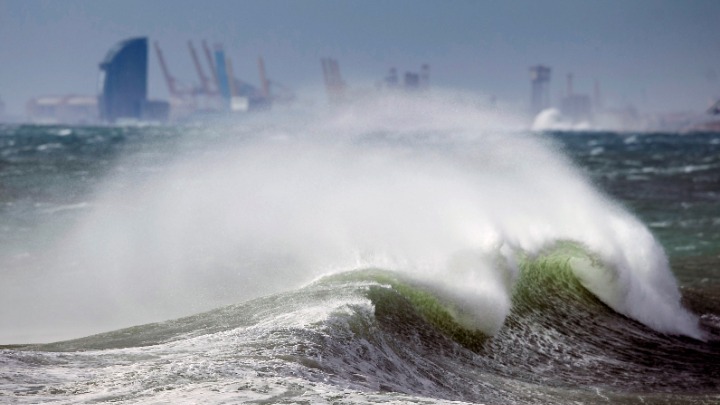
(401, 251)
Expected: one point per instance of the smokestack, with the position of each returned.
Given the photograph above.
(569, 84)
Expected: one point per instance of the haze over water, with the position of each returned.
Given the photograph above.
(401, 245)
(657, 56)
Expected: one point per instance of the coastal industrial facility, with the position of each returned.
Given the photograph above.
(573, 110)
(122, 95)
(124, 82)
(123, 90)
(540, 91)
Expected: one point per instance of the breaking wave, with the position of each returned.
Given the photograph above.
(414, 245)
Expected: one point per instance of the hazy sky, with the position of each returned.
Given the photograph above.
(659, 55)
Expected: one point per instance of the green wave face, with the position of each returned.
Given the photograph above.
(384, 330)
(400, 301)
(547, 291)
(550, 276)
(545, 281)
(557, 331)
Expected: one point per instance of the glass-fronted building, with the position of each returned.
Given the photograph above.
(123, 80)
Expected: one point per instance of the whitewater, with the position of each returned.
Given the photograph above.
(394, 249)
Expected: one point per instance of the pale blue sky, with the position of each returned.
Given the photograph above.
(660, 55)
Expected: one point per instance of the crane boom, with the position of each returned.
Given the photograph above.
(204, 80)
(166, 73)
(213, 68)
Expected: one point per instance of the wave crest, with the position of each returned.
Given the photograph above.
(403, 183)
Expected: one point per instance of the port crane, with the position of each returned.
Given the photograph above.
(175, 88)
(169, 79)
(211, 63)
(220, 89)
(205, 83)
(282, 94)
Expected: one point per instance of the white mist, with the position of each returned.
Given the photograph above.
(431, 185)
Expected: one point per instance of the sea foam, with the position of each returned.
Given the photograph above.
(432, 185)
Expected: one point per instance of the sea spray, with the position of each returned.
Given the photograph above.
(404, 183)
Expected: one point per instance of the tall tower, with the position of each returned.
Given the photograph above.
(123, 80)
(540, 95)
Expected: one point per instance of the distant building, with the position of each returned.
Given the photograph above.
(540, 91)
(391, 80)
(123, 80)
(123, 84)
(71, 109)
(577, 107)
(411, 80)
(123, 93)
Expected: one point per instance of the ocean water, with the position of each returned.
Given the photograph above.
(396, 250)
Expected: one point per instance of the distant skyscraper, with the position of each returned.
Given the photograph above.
(123, 80)
(540, 95)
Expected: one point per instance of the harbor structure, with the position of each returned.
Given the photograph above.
(220, 91)
(223, 67)
(123, 85)
(66, 109)
(418, 81)
(577, 107)
(540, 88)
(123, 80)
(411, 80)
